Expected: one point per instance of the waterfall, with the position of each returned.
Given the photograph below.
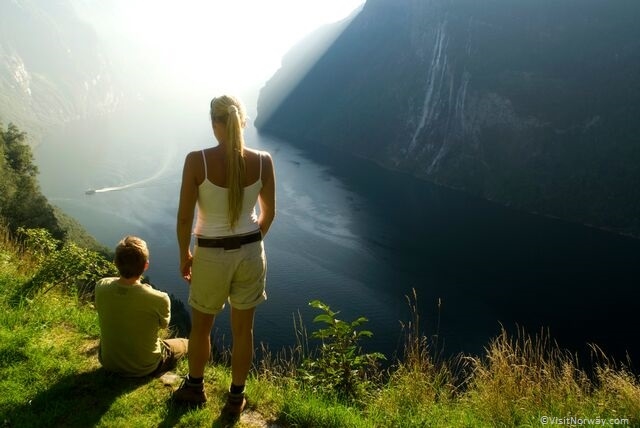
(461, 98)
(435, 76)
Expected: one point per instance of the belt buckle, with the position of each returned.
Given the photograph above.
(232, 243)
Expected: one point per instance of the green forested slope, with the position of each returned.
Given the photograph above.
(22, 203)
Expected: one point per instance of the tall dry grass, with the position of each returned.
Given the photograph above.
(518, 379)
(13, 258)
(281, 366)
(421, 378)
(617, 386)
(521, 375)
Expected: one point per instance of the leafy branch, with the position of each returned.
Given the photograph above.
(340, 367)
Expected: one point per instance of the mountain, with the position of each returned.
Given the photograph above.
(532, 104)
(53, 67)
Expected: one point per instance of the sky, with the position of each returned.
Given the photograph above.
(210, 46)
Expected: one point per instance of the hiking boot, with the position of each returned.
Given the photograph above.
(190, 393)
(235, 404)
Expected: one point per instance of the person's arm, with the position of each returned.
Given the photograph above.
(267, 196)
(165, 311)
(96, 294)
(186, 206)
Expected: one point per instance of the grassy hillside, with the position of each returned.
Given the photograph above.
(50, 375)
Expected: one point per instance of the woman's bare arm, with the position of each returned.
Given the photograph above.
(267, 196)
(186, 207)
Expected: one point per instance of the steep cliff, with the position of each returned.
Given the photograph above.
(52, 66)
(533, 103)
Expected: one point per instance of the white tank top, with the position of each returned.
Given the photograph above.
(213, 203)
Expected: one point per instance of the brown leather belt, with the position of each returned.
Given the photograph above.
(230, 242)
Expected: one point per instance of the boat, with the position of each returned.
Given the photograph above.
(90, 192)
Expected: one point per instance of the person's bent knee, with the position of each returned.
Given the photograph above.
(178, 347)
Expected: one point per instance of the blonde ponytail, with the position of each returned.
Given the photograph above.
(230, 111)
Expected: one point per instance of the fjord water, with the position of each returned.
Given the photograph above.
(359, 238)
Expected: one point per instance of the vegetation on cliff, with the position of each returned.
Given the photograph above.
(50, 375)
(22, 203)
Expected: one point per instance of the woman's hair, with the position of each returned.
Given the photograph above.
(131, 258)
(230, 111)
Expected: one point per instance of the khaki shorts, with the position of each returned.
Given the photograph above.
(237, 275)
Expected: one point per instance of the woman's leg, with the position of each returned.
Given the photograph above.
(199, 342)
(242, 350)
(192, 390)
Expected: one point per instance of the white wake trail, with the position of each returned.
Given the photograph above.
(139, 183)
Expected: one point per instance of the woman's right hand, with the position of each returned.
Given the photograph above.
(188, 197)
(185, 268)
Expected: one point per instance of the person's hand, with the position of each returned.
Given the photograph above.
(185, 268)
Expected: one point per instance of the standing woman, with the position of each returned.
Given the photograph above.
(228, 263)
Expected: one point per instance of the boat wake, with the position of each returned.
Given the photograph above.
(139, 183)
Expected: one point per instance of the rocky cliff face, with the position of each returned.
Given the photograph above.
(533, 104)
(52, 66)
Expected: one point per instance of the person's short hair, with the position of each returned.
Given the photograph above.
(132, 255)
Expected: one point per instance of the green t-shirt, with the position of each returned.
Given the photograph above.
(130, 316)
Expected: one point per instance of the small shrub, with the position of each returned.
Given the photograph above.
(39, 243)
(340, 368)
(61, 263)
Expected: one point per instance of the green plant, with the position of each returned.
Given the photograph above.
(340, 367)
(38, 242)
(61, 263)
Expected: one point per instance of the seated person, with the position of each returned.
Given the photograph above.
(130, 315)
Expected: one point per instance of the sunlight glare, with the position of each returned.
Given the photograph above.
(212, 45)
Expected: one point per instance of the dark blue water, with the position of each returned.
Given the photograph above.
(360, 238)
(490, 265)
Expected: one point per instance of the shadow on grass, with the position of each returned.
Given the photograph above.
(174, 413)
(225, 421)
(77, 400)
